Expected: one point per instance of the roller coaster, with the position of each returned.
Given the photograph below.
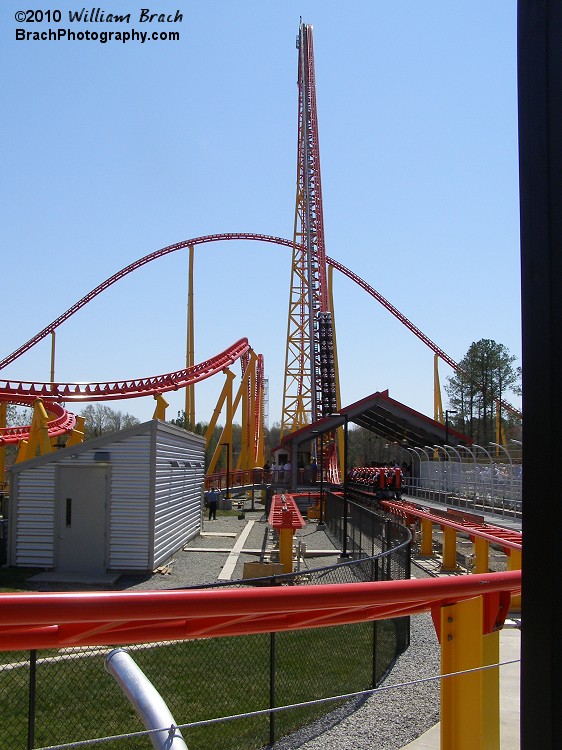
(311, 392)
(311, 388)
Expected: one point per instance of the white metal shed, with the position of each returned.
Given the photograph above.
(124, 502)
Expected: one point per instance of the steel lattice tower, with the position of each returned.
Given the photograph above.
(310, 384)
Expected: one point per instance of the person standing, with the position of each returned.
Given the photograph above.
(213, 503)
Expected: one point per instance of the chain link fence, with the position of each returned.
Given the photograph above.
(57, 697)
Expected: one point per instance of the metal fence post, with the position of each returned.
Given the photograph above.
(387, 545)
(272, 644)
(31, 704)
(375, 649)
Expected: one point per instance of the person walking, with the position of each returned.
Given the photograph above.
(213, 502)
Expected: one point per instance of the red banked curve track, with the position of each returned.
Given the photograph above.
(62, 423)
(51, 393)
(25, 392)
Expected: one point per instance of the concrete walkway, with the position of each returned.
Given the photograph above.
(510, 648)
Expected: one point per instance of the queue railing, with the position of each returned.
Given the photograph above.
(495, 488)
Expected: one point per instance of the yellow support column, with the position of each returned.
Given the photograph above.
(449, 549)
(226, 435)
(469, 702)
(22, 451)
(160, 408)
(77, 435)
(38, 434)
(481, 553)
(190, 346)
(286, 549)
(427, 537)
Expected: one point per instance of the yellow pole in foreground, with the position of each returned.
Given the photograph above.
(469, 702)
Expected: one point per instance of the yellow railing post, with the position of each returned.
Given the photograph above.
(481, 553)
(449, 548)
(426, 537)
(286, 549)
(470, 701)
(514, 563)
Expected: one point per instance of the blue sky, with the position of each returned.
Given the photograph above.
(112, 151)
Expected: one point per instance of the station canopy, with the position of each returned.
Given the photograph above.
(385, 417)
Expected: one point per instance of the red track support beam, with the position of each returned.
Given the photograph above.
(284, 513)
(285, 518)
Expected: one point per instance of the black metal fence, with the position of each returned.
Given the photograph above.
(369, 534)
(65, 696)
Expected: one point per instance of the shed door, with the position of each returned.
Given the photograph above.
(82, 511)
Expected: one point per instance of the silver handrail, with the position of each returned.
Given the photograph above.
(146, 700)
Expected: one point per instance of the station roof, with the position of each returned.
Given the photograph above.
(387, 418)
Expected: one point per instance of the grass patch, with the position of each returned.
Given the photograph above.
(202, 679)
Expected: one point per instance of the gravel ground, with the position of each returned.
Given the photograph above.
(387, 720)
(193, 565)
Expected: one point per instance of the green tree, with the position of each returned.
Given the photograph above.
(16, 417)
(485, 377)
(201, 429)
(102, 420)
(272, 439)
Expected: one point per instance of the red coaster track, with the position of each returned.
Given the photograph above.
(26, 392)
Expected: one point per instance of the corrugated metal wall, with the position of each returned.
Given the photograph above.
(179, 464)
(130, 507)
(33, 544)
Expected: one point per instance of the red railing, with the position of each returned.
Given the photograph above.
(56, 620)
(507, 538)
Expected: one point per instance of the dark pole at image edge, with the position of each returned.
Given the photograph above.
(345, 552)
(540, 171)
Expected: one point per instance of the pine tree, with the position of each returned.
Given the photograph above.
(486, 375)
